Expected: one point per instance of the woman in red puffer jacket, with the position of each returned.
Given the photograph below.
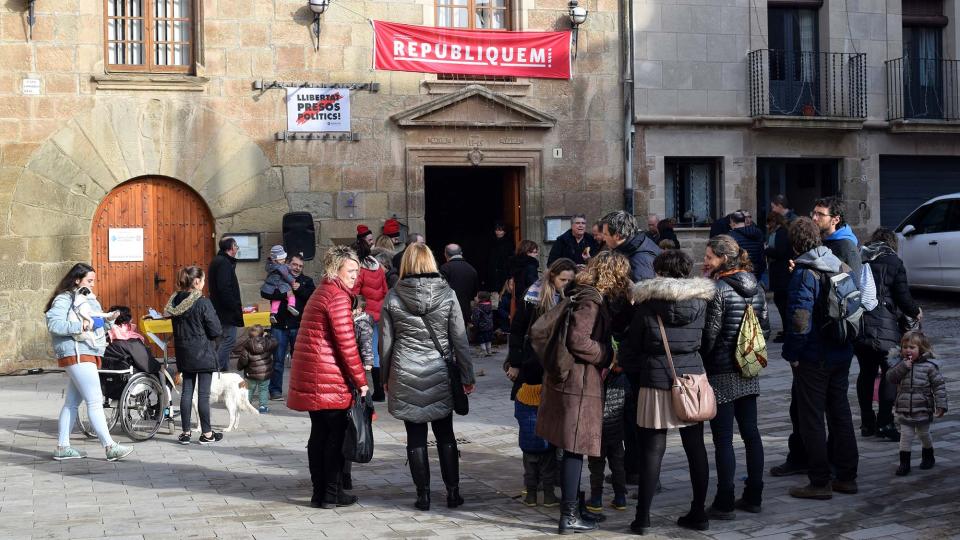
(325, 357)
(372, 284)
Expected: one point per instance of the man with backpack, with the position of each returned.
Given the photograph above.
(823, 320)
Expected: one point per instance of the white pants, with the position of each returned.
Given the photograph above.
(83, 384)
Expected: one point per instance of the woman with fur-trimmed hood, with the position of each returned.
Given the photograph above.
(681, 303)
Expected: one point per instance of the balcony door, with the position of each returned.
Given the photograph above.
(794, 62)
(923, 72)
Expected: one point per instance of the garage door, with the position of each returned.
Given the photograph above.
(906, 182)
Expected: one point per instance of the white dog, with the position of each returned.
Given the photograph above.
(231, 390)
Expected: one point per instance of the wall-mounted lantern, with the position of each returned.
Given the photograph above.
(31, 18)
(318, 7)
(578, 16)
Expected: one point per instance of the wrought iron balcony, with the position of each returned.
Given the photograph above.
(923, 89)
(808, 84)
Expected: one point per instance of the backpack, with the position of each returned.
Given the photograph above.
(751, 352)
(839, 309)
(548, 336)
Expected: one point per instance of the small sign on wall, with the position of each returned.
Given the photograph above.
(30, 87)
(125, 245)
(318, 109)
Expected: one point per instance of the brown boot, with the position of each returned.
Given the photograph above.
(811, 491)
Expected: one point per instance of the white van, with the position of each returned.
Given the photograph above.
(930, 244)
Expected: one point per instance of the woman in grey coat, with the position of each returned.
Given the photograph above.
(415, 374)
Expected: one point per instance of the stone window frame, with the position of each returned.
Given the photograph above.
(715, 186)
(471, 7)
(148, 39)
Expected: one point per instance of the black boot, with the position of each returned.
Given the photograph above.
(640, 523)
(377, 385)
(570, 520)
(346, 478)
(450, 471)
(696, 519)
(927, 461)
(420, 471)
(723, 506)
(904, 468)
(751, 500)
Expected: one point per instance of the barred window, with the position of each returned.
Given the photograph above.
(473, 14)
(149, 35)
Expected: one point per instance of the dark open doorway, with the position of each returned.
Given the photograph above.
(464, 203)
(802, 180)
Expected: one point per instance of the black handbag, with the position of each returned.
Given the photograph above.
(461, 402)
(358, 442)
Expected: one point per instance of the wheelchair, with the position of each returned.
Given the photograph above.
(140, 402)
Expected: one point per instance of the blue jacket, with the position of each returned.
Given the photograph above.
(802, 341)
(640, 251)
(63, 324)
(752, 240)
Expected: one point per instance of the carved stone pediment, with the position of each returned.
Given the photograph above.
(474, 107)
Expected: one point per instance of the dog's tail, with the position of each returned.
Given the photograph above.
(245, 400)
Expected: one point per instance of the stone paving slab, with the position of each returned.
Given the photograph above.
(255, 484)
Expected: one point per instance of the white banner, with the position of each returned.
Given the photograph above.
(318, 109)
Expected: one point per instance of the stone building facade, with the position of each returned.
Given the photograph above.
(737, 101)
(73, 128)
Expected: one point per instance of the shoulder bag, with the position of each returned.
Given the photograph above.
(461, 403)
(692, 396)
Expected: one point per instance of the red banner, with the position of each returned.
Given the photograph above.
(426, 49)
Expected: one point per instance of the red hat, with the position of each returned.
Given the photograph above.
(362, 230)
(391, 228)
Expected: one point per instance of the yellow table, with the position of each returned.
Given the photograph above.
(153, 327)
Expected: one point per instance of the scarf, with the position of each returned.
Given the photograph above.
(175, 310)
(124, 331)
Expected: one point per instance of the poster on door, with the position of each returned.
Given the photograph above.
(125, 245)
(318, 109)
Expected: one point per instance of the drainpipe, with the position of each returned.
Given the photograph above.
(626, 46)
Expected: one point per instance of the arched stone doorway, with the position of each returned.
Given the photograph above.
(176, 229)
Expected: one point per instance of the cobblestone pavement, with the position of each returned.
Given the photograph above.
(255, 484)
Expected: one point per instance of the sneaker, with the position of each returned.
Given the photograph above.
(844, 486)
(595, 504)
(550, 499)
(118, 452)
(811, 491)
(217, 437)
(62, 454)
(531, 498)
(787, 469)
(184, 438)
(263, 409)
(293, 311)
(276, 397)
(619, 502)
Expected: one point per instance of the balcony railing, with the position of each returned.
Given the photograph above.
(818, 84)
(923, 89)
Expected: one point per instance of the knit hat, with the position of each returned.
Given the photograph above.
(277, 252)
(362, 230)
(391, 228)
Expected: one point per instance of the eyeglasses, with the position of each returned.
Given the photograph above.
(820, 214)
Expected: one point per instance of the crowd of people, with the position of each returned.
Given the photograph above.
(628, 326)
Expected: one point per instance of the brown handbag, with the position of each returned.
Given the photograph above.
(692, 396)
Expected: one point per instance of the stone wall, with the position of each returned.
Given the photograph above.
(62, 151)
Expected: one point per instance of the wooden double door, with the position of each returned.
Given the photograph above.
(178, 230)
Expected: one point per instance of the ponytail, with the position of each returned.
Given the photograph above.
(187, 275)
(743, 261)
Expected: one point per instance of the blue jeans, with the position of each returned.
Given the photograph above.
(83, 384)
(228, 338)
(744, 410)
(286, 338)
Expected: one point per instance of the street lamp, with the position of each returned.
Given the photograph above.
(578, 15)
(318, 7)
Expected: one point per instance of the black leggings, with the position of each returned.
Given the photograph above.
(202, 382)
(570, 472)
(653, 444)
(417, 432)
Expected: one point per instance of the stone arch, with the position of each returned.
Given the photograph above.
(120, 139)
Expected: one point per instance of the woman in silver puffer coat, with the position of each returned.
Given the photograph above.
(417, 383)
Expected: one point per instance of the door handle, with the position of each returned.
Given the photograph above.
(933, 242)
(157, 280)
